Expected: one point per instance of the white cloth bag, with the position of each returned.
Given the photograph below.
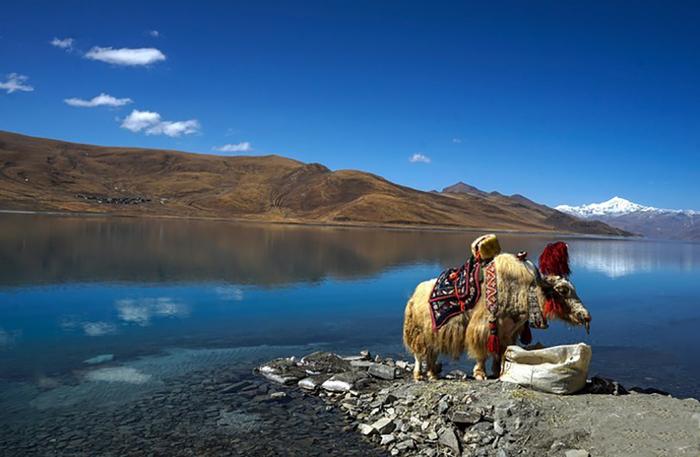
(559, 369)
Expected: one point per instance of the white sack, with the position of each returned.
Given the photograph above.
(559, 369)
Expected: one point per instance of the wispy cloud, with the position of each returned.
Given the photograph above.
(456, 140)
(235, 147)
(99, 100)
(16, 82)
(419, 158)
(65, 43)
(126, 56)
(141, 311)
(154, 33)
(151, 123)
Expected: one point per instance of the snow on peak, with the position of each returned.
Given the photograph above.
(614, 206)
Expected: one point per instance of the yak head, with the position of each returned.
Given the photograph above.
(561, 299)
(562, 302)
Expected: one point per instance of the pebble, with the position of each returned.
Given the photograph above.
(577, 453)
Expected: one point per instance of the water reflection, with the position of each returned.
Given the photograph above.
(40, 249)
(141, 311)
(78, 289)
(622, 258)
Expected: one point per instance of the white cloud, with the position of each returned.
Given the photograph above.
(141, 311)
(154, 33)
(99, 100)
(174, 129)
(456, 140)
(66, 43)
(98, 328)
(235, 147)
(419, 158)
(16, 82)
(126, 56)
(151, 123)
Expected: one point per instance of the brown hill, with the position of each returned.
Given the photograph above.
(48, 175)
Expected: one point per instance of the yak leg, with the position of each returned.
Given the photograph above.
(417, 376)
(496, 365)
(480, 370)
(433, 370)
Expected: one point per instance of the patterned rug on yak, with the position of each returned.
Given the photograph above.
(456, 290)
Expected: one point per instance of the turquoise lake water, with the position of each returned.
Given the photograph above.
(153, 297)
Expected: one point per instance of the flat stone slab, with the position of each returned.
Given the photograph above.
(344, 382)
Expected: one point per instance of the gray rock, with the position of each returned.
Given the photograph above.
(501, 453)
(324, 362)
(366, 429)
(384, 425)
(466, 418)
(282, 371)
(448, 439)
(499, 428)
(343, 382)
(456, 374)
(443, 406)
(382, 371)
(312, 382)
(577, 453)
(387, 439)
(406, 444)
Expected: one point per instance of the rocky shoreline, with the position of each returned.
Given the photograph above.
(457, 416)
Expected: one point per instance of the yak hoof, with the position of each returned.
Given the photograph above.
(432, 376)
(480, 376)
(417, 377)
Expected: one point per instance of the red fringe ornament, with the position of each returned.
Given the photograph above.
(555, 260)
(494, 344)
(553, 307)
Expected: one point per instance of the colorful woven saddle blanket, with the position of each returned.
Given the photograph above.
(456, 291)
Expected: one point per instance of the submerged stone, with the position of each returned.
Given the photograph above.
(102, 358)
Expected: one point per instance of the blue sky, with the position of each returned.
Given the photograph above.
(562, 102)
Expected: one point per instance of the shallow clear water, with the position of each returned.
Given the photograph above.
(158, 298)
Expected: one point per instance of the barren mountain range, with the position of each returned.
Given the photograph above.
(48, 175)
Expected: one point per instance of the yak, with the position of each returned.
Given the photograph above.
(469, 331)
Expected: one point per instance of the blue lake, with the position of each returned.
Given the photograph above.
(160, 297)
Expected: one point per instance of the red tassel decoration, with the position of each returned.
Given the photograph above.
(553, 307)
(526, 334)
(555, 260)
(494, 344)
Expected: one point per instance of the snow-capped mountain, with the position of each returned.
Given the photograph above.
(645, 220)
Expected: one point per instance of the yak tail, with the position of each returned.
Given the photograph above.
(408, 321)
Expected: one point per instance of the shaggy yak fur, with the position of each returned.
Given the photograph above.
(469, 331)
